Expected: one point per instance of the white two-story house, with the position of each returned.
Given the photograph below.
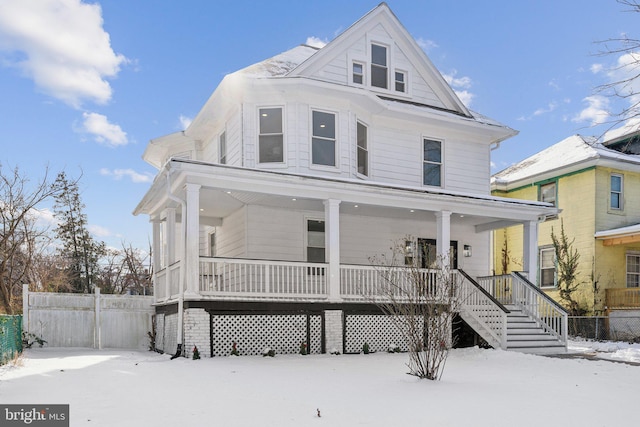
(268, 208)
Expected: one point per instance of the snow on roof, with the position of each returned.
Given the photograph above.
(570, 151)
(281, 64)
(622, 231)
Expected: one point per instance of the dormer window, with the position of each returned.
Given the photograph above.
(379, 69)
(358, 73)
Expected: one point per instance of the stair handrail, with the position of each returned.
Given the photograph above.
(547, 313)
(488, 312)
(484, 291)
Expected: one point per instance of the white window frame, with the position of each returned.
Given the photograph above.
(633, 273)
(387, 67)
(620, 193)
(222, 148)
(306, 236)
(213, 243)
(404, 81)
(365, 149)
(440, 164)
(336, 166)
(284, 145)
(540, 266)
(363, 65)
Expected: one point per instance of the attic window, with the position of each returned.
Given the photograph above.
(223, 148)
(358, 73)
(379, 70)
(400, 81)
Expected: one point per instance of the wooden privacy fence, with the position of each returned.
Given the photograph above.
(88, 320)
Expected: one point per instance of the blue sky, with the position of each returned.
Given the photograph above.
(85, 86)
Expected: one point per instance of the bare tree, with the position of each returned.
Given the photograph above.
(20, 235)
(126, 270)
(421, 303)
(625, 84)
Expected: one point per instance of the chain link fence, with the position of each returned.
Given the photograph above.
(10, 337)
(606, 328)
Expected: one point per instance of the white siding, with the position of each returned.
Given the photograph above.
(279, 234)
(231, 237)
(276, 234)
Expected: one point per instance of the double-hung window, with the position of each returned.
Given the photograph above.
(323, 139)
(547, 193)
(271, 138)
(547, 267)
(379, 68)
(363, 151)
(615, 195)
(401, 81)
(222, 155)
(633, 270)
(432, 162)
(358, 73)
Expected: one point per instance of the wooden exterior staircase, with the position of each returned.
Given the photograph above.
(511, 313)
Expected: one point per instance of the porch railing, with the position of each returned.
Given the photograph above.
(515, 289)
(244, 278)
(361, 282)
(170, 275)
(622, 298)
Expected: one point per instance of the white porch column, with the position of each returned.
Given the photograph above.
(530, 250)
(332, 246)
(170, 237)
(192, 255)
(443, 242)
(156, 253)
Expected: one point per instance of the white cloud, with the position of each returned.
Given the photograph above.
(62, 46)
(316, 42)
(595, 113)
(103, 132)
(596, 68)
(426, 45)
(98, 231)
(465, 96)
(185, 121)
(135, 177)
(550, 107)
(460, 86)
(44, 217)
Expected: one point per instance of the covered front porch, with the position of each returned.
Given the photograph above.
(233, 233)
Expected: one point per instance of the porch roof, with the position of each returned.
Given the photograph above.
(236, 186)
(619, 236)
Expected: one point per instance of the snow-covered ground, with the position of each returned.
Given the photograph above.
(479, 388)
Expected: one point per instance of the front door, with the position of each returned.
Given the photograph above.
(427, 253)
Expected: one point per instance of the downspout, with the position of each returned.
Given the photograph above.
(183, 232)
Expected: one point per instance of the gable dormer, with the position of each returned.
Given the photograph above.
(379, 55)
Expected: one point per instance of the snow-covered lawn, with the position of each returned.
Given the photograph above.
(479, 388)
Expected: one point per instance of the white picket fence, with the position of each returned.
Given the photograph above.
(88, 320)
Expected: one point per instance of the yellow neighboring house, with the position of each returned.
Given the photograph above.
(597, 189)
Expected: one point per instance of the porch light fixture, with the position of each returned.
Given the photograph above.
(411, 210)
(294, 199)
(355, 206)
(466, 251)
